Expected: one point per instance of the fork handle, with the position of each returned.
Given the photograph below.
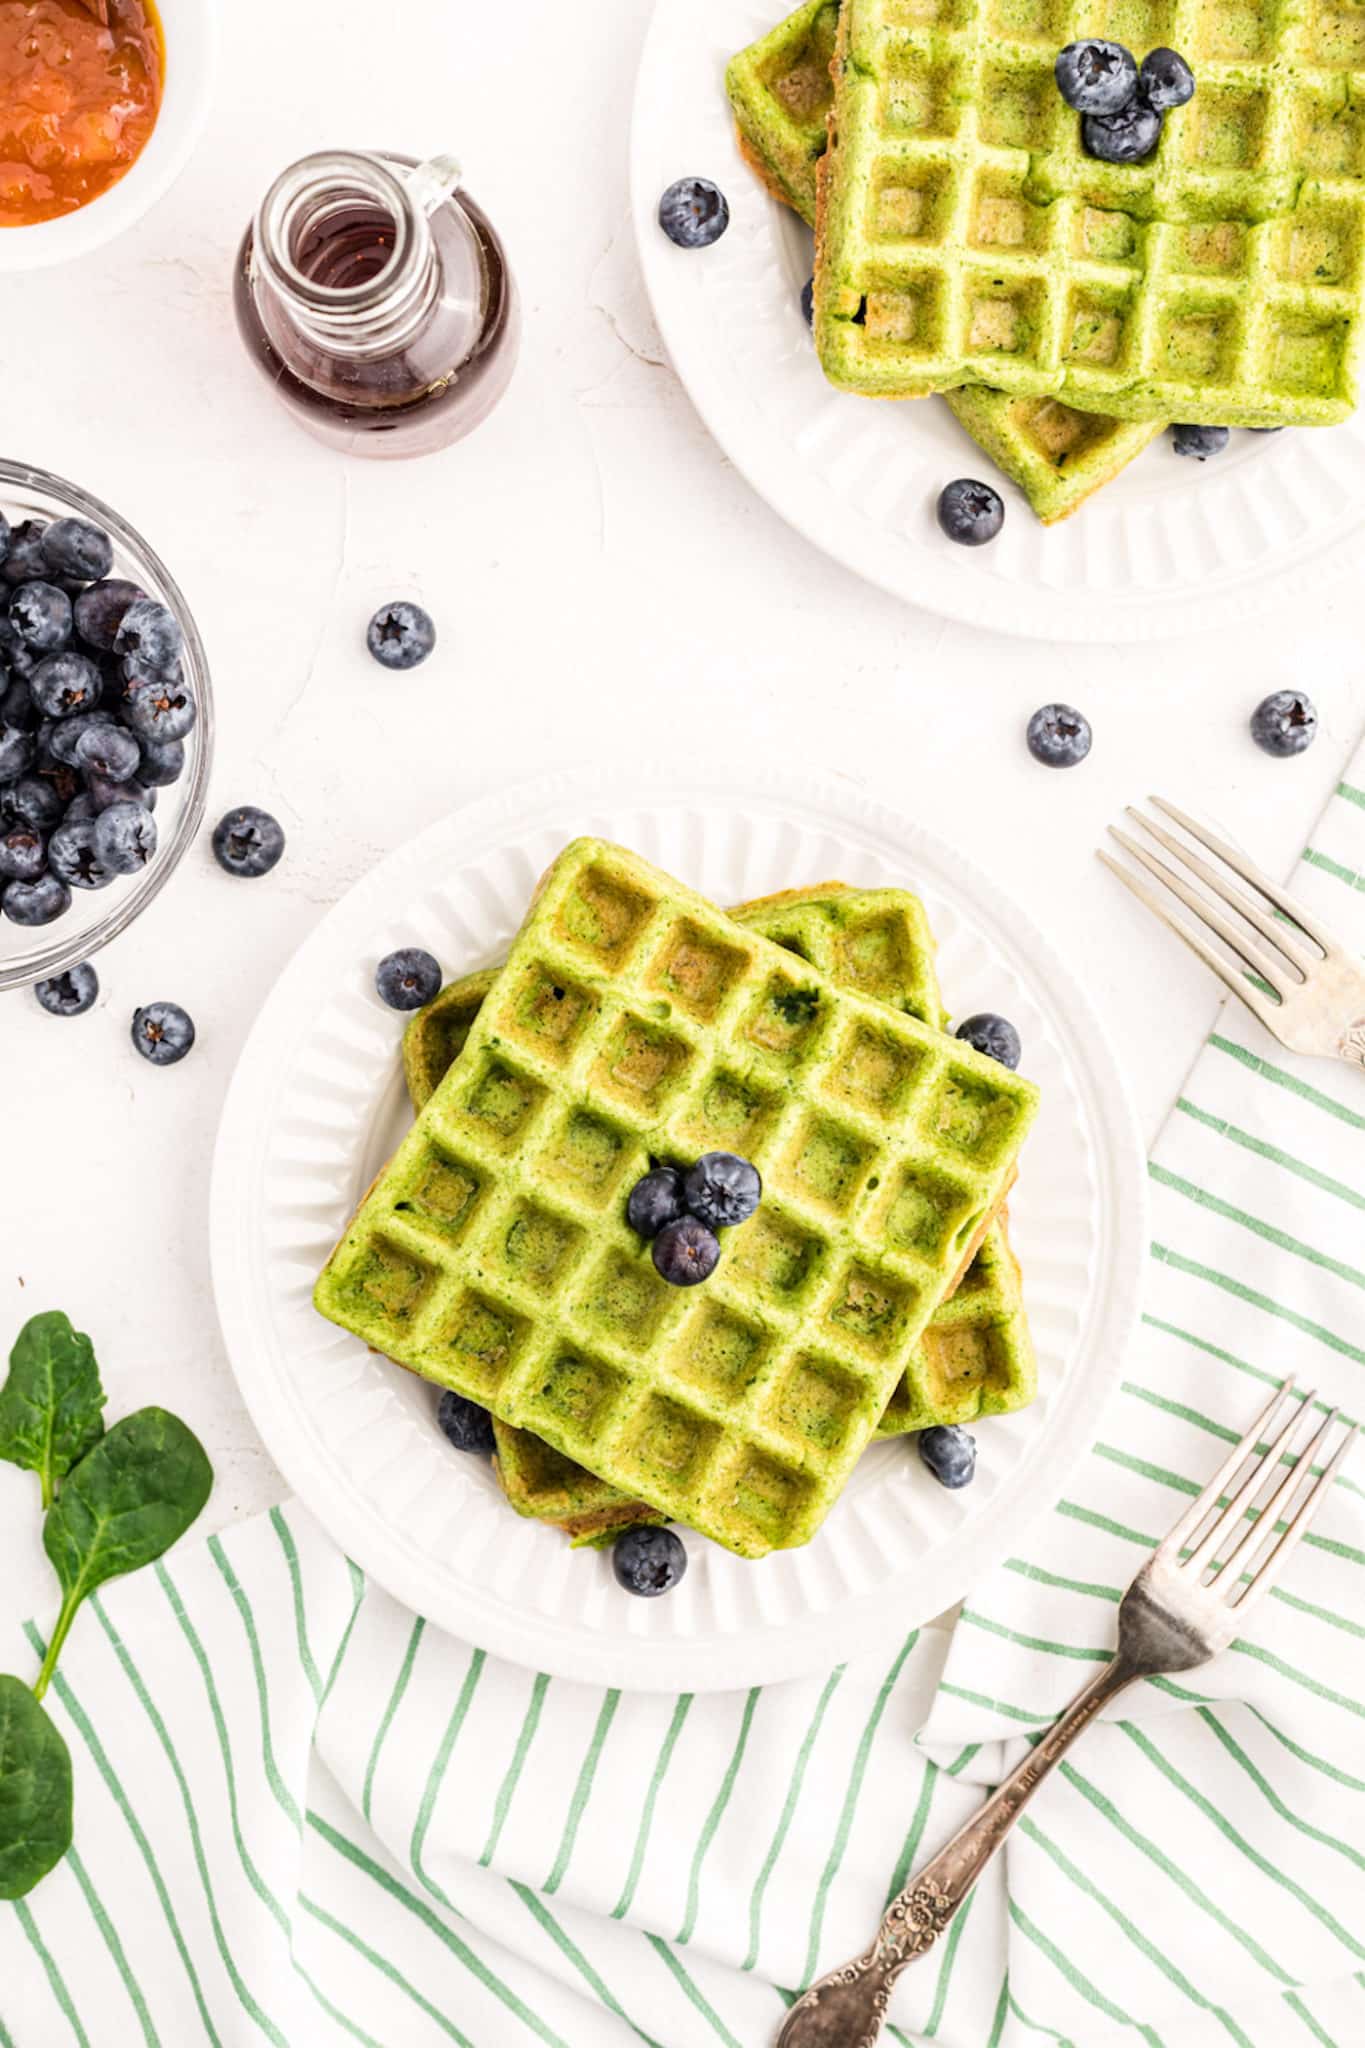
(917, 1916)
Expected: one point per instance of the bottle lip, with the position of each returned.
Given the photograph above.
(296, 195)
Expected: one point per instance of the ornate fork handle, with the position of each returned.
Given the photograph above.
(1352, 1046)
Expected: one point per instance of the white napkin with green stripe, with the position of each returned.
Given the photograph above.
(305, 1817)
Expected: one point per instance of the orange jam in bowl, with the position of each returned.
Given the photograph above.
(77, 102)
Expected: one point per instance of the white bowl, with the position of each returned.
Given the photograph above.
(191, 33)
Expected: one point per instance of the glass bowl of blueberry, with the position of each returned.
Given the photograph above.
(106, 725)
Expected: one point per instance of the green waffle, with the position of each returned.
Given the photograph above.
(633, 1020)
(964, 235)
(781, 92)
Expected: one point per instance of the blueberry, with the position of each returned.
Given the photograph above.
(163, 1033)
(41, 616)
(248, 842)
(655, 1200)
(694, 213)
(150, 634)
(65, 682)
(1058, 736)
(70, 994)
(23, 853)
(808, 301)
(75, 548)
(465, 1424)
(74, 857)
(970, 512)
(162, 763)
(400, 635)
(1200, 442)
(685, 1252)
(950, 1453)
(99, 611)
(16, 704)
(158, 709)
(995, 1036)
(1096, 77)
(721, 1189)
(17, 750)
(106, 750)
(24, 562)
(407, 979)
(64, 735)
(1284, 723)
(648, 1561)
(81, 810)
(32, 801)
(4, 536)
(125, 837)
(1165, 81)
(1128, 137)
(31, 903)
(102, 793)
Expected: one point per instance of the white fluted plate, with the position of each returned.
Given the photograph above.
(1169, 546)
(317, 1105)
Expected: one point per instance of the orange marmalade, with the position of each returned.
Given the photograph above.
(77, 102)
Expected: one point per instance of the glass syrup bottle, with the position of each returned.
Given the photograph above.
(377, 302)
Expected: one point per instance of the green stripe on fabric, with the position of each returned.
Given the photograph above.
(691, 1992)
(291, 1558)
(1272, 1154)
(1269, 1233)
(81, 1722)
(1063, 1584)
(357, 1602)
(134, 1676)
(1254, 1299)
(432, 1921)
(1344, 1700)
(855, 1786)
(1272, 1797)
(1327, 866)
(545, 1919)
(1351, 794)
(385, 1969)
(582, 1791)
(436, 1775)
(680, 1713)
(935, 2019)
(1191, 1487)
(1076, 1977)
(6, 2039)
(54, 1976)
(798, 1779)
(1306, 1756)
(1223, 1431)
(998, 1628)
(961, 1762)
(1093, 1520)
(1296, 2005)
(981, 1699)
(110, 1937)
(1036, 2026)
(284, 1798)
(910, 1846)
(1002, 2006)
(502, 1803)
(1290, 1082)
(714, 1817)
(395, 1700)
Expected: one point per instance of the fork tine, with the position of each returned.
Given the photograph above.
(1231, 979)
(1235, 899)
(1228, 1518)
(1193, 1517)
(1248, 872)
(1254, 1535)
(1273, 1563)
(1257, 959)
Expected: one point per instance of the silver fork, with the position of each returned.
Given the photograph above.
(1186, 1604)
(1313, 998)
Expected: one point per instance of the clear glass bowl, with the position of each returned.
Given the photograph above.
(97, 916)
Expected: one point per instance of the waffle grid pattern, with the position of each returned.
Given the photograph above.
(633, 1019)
(967, 236)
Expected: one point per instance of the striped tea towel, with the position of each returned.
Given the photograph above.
(306, 1818)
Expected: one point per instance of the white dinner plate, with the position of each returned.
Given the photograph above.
(317, 1105)
(1168, 546)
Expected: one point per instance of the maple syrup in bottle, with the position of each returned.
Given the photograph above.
(376, 298)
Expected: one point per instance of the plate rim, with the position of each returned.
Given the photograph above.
(769, 1654)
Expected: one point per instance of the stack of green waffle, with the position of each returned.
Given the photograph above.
(967, 244)
(634, 1020)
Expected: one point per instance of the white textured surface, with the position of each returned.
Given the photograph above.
(606, 586)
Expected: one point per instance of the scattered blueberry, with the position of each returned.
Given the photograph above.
(109, 751)
(721, 1190)
(69, 994)
(75, 548)
(1097, 77)
(24, 562)
(969, 512)
(1058, 736)
(74, 857)
(163, 1033)
(248, 842)
(808, 301)
(41, 615)
(125, 838)
(64, 683)
(950, 1453)
(162, 762)
(1128, 137)
(17, 750)
(23, 853)
(694, 213)
(465, 1424)
(150, 634)
(1165, 81)
(99, 611)
(31, 801)
(1284, 723)
(158, 709)
(1200, 442)
(400, 635)
(685, 1252)
(31, 903)
(648, 1561)
(407, 979)
(655, 1199)
(995, 1036)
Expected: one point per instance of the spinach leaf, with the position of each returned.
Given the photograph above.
(35, 1791)
(128, 1500)
(50, 1404)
